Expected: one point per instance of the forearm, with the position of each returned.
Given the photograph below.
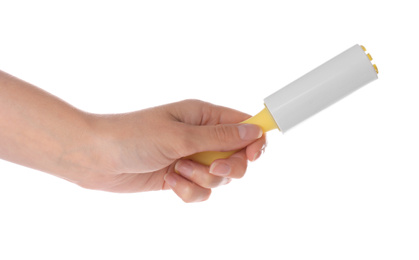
(131, 152)
(40, 131)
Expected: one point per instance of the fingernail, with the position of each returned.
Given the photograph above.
(170, 179)
(226, 181)
(257, 155)
(184, 168)
(249, 132)
(220, 169)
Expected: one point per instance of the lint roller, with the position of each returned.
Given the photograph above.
(309, 94)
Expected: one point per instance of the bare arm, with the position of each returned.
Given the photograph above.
(40, 131)
(131, 152)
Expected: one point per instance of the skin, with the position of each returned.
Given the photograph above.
(131, 152)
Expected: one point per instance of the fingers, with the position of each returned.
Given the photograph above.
(233, 167)
(199, 174)
(256, 149)
(207, 127)
(193, 182)
(185, 189)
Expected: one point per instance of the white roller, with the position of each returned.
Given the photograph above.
(321, 87)
(308, 95)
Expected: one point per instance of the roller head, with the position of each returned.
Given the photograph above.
(321, 87)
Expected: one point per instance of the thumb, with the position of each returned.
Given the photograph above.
(223, 137)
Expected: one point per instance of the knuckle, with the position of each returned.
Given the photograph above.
(206, 196)
(239, 166)
(240, 174)
(208, 181)
(186, 194)
(194, 102)
(222, 133)
(192, 193)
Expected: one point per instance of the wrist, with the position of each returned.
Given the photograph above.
(95, 151)
(78, 153)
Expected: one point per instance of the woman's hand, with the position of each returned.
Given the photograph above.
(144, 149)
(132, 152)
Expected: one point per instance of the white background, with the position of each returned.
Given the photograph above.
(342, 185)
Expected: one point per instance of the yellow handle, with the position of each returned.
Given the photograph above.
(262, 119)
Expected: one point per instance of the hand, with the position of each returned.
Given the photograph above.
(132, 152)
(143, 150)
